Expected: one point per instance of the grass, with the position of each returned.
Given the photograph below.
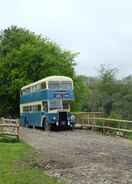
(18, 164)
(129, 135)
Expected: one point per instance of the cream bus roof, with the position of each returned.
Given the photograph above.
(50, 78)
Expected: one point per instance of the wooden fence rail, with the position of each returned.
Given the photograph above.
(9, 127)
(121, 127)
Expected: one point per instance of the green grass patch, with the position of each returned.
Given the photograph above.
(18, 164)
(129, 135)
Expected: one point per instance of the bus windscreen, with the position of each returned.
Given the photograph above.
(55, 104)
(60, 85)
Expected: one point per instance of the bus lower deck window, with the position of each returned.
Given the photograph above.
(32, 108)
(45, 106)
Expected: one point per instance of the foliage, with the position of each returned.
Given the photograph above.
(25, 58)
(109, 95)
(81, 93)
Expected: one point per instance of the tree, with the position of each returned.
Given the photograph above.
(81, 93)
(25, 58)
(107, 87)
(123, 98)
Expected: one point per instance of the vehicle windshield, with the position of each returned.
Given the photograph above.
(58, 104)
(60, 85)
(55, 104)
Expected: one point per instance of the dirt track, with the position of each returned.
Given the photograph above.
(83, 157)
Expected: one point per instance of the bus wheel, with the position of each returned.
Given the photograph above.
(45, 125)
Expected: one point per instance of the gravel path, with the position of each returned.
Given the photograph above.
(83, 157)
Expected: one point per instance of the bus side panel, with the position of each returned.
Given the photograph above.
(24, 119)
(36, 96)
(32, 118)
(35, 118)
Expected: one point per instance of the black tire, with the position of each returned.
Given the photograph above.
(45, 125)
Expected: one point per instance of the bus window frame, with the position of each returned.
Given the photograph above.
(33, 89)
(47, 109)
(59, 82)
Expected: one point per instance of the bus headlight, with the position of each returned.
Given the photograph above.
(72, 118)
(54, 118)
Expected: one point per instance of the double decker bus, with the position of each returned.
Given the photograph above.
(46, 103)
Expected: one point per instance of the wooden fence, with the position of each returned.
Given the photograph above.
(106, 125)
(9, 127)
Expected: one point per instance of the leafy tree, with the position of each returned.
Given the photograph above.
(81, 93)
(107, 87)
(123, 98)
(110, 95)
(25, 58)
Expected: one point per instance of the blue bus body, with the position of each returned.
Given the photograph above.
(47, 107)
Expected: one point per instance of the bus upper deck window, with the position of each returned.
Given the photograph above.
(33, 88)
(60, 85)
(26, 91)
(43, 85)
(38, 87)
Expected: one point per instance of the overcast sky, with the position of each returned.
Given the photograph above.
(101, 30)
